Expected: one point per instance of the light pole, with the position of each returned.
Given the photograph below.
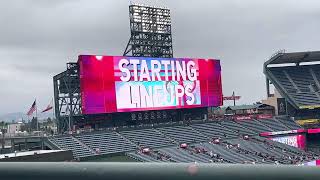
(3, 131)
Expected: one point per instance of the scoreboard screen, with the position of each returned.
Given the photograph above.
(124, 84)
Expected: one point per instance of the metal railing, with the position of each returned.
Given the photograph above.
(154, 171)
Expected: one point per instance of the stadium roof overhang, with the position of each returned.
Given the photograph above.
(294, 57)
(282, 59)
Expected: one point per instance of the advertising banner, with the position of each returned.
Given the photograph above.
(314, 131)
(244, 117)
(298, 141)
(282, 106)
(283, 132)
(264, 116)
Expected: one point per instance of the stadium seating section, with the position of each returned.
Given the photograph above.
(183, 134)
(288, 123)
(274, 124)
(301, 83)
(164, 143)
(78, 149)
(256, 126)
(147, 138)
(106, 142)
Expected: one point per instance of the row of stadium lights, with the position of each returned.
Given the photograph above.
(145, 18)
(144, 5)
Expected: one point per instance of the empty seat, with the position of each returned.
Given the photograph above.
(301, 83)
(215, 130)
(69, 143)
(232, 125)
(183, 134)
(289, 123)
(274, 124)
(255, 126)
(147, 138)
(107, 142)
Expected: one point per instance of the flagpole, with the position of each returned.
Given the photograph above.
(29, 124)
(54, 120)
(53, 105)
(37, 116)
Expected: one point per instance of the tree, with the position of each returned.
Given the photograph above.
(24, 127)
(49, 120)
(34, 123)
(2, 123)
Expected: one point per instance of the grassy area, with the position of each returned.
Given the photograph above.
(113, 159)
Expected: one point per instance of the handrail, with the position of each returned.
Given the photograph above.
(154, 171)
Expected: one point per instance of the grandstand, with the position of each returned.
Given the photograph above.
(296, 78)
(164, 143)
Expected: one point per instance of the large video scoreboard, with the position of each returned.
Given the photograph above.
(124, 84)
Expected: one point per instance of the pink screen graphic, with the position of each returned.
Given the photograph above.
(125, 84)
(298, 141)
(314, 131)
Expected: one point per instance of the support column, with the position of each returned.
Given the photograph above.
(42, 143)
(12, 145)
(268, 87)
(26, 144)
(3, 141)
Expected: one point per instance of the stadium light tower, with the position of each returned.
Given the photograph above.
(150, 37)
(67, 98)
(150, 32)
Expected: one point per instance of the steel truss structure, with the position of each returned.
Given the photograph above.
(150, 37)
(150, 32)
(67, 97)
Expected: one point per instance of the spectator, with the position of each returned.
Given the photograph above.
(211, 154)
(215, 155)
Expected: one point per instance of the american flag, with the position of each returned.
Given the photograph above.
(32, 109)
(48, 108)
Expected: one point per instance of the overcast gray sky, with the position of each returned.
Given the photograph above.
(38, 37)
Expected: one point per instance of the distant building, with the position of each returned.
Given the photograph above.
(278, 102)
(250, 109)
(14, 128)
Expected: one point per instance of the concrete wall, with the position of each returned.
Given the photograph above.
(272, 101)
(45, 157)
